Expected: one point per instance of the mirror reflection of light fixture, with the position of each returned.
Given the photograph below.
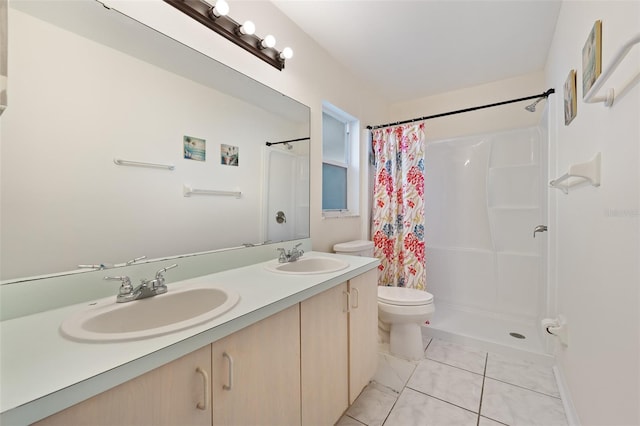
(216, 18)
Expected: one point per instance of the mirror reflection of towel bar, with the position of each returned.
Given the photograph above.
(187, 191)
(121, 162)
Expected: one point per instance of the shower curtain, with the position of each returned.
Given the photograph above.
(398, 205)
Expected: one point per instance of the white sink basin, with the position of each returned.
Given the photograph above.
(175, 310)
(309, 265)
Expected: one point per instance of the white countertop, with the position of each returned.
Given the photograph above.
(41, 372)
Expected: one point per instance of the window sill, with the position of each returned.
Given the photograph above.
(338, 214)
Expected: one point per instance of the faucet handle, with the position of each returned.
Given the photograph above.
(163, 270)
(125, 287)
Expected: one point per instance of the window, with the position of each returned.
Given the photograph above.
(340, 162)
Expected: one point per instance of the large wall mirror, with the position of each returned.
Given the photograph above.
(89, 85)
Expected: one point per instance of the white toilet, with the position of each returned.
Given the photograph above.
(401, 311)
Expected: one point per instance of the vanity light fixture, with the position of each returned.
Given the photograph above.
(216, 18)
(287, 53)
(268, 41)
(248, 28)
(221, 8)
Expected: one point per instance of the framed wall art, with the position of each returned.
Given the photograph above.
(592, 57)
(570, 98)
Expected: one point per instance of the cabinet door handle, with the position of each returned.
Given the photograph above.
(346, 293)
(357, 298)
(230, 360)
(205, 380)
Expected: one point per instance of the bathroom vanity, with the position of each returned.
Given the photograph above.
(296, 349)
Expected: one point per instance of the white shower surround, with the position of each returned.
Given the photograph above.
(484, 195)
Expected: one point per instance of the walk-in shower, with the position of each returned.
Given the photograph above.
(484, 198)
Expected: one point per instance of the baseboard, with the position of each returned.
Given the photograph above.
(565, 396)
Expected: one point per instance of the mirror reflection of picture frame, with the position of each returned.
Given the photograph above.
(592, 57)
(194, 148)
(229, 155)
(570, 98)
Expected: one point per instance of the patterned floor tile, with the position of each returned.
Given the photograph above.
(522, 373)
(416, 409)
(457, 355)
(451, 384)
(516, 406)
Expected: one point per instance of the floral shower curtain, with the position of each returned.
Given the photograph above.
(398, 205)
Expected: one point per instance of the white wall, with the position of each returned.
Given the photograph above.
(311, 76)
(594, 231)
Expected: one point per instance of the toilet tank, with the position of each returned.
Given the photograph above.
(355, 248)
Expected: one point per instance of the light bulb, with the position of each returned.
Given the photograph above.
(268, 41)
(220, 9)
(286, 53)
(247, 28)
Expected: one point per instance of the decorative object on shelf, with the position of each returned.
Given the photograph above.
(216, 18)
(609, 96)
(592, 58)
(583, 172)
(229, 155)
(194, 148)
(570, 98)
(188, 191)
(121, 162)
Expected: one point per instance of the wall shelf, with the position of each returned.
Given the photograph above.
(579, 173)
(608, 98)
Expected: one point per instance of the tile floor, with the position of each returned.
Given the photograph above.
(457, 385)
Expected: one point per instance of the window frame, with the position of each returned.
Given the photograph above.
(352, 166)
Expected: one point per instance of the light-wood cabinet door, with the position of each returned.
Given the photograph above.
(173, 394)
(257, 373)
(363, 331)
(324, 352)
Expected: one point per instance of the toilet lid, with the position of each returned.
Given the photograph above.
(403, 296)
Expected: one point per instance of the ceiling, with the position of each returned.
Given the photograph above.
(414, 49)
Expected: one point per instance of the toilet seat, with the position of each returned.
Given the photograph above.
(401, 296)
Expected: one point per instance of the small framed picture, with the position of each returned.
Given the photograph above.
(570, 99)
(592, 57)
(229, 155)
(194, 148)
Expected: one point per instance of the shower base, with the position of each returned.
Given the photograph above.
(488, 332)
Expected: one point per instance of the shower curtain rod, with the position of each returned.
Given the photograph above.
(444, 114)
(290, 140)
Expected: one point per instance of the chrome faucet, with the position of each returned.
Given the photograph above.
(147, 288)
(291, 255)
